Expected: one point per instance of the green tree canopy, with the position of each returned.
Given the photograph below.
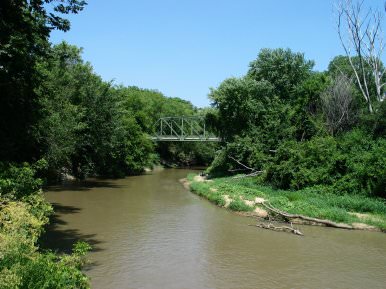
(24, 30)
(282, 68)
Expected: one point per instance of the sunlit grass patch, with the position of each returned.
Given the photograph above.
(316, 202)
(239, 206)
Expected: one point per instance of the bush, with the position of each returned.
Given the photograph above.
(301, 164)
(23, 214)
(21, 264)
(365, 164)
(375, 123)
(351, 164)
(17, 181)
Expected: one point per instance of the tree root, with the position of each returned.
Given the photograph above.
(282, 228)
(289, 216)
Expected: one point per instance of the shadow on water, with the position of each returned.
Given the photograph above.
(62, 240)
(82, 185)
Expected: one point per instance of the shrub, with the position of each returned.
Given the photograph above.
(17, 181)
(23, 214)
(301, 164)
(365, 164)
(21, 264)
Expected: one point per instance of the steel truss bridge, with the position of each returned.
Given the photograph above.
(184, 128)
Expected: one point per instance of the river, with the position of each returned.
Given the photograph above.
(149, 232)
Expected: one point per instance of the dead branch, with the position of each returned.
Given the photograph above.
(253, 172)
(281, 228)
(241, 164)
(289, 216)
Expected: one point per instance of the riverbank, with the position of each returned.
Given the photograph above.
(246, 196)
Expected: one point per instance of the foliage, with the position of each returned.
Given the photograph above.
(239, 102)
(300, 164)
(59, 93)
(21, 264)
(365, 164)
(300, 128)
(87, 127)
(375, 123)
(306, 120)
(147, 106)
(353, 163)
(275, 102)
(17, 181)
(282, 68)
(23, 214)
(341, 65)
(24, 31)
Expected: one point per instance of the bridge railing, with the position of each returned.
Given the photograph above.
(184, 128)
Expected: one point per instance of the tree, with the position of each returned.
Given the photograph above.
(24, 30)
(282, 68)
(338, 105)
(240, 103)
(364, 39)
(86, 127)
(57, 130)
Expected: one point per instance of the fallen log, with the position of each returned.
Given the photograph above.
(281, 228)
(309, 219)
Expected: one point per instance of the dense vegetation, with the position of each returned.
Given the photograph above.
(59, 119)
(301, 128)
(91, 127)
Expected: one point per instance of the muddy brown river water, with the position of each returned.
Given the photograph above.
(149, 232)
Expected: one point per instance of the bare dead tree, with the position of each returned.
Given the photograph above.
(360, 33)
(338, 104)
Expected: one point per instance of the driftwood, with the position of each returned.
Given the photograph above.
(305, 218)
(281, 228)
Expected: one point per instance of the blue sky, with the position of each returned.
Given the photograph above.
(182, 48)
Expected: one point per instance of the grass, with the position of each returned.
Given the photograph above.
(312, 202)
